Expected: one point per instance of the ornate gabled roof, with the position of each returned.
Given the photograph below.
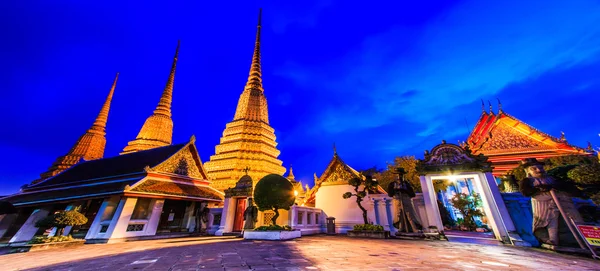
(448, 158)
(157, 130)
(89, 146)
(504, 134)
(336, 173)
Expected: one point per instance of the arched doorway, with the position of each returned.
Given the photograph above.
(461, 196)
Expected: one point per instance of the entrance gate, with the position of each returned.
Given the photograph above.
(450, 164)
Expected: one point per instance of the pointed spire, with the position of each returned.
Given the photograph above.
(499, 105)
(491, 109)
(483, 106)
(164, 105)
(291, 174)
(254, 78)
(100, 122)
(334, 150)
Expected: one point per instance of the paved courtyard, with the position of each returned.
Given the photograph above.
(306, 253)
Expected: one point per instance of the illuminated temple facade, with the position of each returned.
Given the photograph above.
(248, 141)
(507, 141)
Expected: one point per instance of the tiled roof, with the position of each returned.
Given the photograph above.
(67, 194)
(107, 167)
(178, 189)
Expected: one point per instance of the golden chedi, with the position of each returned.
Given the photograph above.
(158, 128)
(89, 146)
(248, 141)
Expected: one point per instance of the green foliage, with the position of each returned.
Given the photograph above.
(467, 205)
(385, 177)
(368, 227)
(584, 171)
(274, 192)
(274, 228)
(53, 239)
(62, 219)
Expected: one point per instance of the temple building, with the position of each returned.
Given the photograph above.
(89, 146)
(248, 141)
(158, 128)
(506, 141)
(299, 191)
(152, 188)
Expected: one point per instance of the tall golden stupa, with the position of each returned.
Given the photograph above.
(158, 128)
(248, 141)
(90, 146)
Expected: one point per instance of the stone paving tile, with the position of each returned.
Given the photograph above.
(307, 253)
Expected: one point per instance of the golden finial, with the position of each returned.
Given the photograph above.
(499, 105)
(491, 108)
(483, 106)
(291, 174)
(100, 122)
(562, 136)
(334, 149)
(164, 105)
(193, 139)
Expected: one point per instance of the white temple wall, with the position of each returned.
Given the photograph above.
(28, 230)
(346, 212)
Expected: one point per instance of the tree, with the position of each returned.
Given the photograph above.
(62, 219)
(584, 171)
(274, 192)
(468, 207)
(409, 163)
(369, 184)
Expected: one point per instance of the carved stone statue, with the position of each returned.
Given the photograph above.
(201, 214)
(403, 192)
(250, 216)
(538, 185)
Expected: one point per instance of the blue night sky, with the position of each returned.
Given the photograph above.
(379, 80)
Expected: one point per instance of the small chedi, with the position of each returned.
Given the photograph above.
(548, 196)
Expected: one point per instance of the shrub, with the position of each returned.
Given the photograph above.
(61, 220)
(274, 228)
(368, 227)
(53, 239)
(274, 192)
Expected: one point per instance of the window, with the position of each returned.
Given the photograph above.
(317, 219)
(135, 227)
(142, 209)
(308, 218)
(217, 219)
(299, 222)
(104, 228)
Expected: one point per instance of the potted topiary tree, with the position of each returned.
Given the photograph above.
(271, 193)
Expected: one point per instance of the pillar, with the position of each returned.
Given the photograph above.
(105, 213)
(5, 222)
(227, 216)
(388, 211)
(118, 225)
(376, 211)
(28, 230)
(152, 226)
(433, 213)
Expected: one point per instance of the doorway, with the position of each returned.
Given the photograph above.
(172, 216)
(461, 207)
(238, 221)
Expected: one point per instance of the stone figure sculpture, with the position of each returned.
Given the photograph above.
(250, 216)
(538, 185)
(402, 192)
(201, 215)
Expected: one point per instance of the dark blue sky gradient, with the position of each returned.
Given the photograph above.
(379, 80)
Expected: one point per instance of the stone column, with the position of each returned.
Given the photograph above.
(152, 226)
(293, 216)
(376, 211)
(118, 225)
(388, 211)
(227, 216)
(105, 212)
(433, 213)
(28, 230)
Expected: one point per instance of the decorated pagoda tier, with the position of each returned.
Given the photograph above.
(157, 131)
(89, 146)
(507, 140)
(248, 141)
